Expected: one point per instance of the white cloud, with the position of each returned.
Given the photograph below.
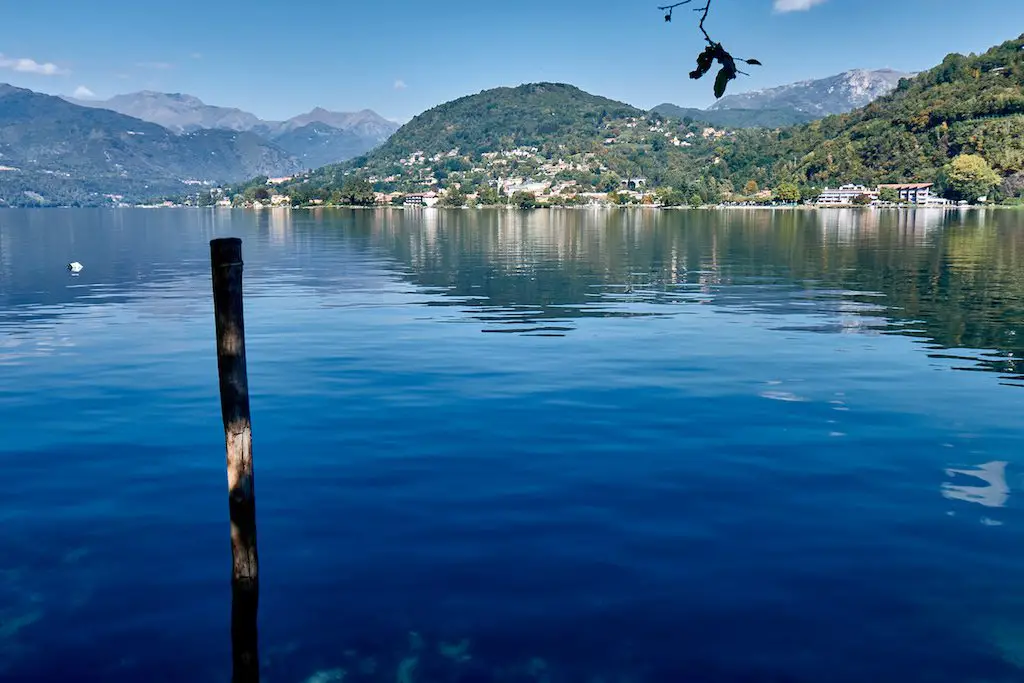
(83, 93)
(795, 5)
(197, 55)
(160, 66)
(400, 85)
(31, 66)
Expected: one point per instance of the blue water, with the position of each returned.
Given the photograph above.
(599, 445)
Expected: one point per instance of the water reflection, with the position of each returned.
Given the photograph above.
(952, 279)
(994, 494)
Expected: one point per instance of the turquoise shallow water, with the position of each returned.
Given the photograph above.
(596, 445)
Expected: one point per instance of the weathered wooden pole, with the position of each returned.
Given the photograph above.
(226, 262)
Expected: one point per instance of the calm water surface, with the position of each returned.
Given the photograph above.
(498, 446)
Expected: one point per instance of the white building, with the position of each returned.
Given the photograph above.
(914, 193)
(845, 194)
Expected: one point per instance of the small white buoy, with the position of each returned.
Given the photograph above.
(75, 267)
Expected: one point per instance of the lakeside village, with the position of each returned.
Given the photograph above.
(532, 177)
(530, 194)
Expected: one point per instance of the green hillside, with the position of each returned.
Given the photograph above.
(542, 130)
(967, 105)
(736, 118)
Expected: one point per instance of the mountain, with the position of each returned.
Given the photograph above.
(506, 118)
(65, 153)
(175, 111)
(793, 104)
(316, 138)
(318, 144)
(819, 98)
(547, 132)
(366, 123)
(966, 105)
(736, 118)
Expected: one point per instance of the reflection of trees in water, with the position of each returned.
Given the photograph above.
(949, 277)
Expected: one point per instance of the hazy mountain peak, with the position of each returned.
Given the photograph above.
(819, 97)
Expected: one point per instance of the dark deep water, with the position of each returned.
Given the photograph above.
(600, 445)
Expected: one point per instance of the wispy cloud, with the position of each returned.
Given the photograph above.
(795, 5)
(159, 66)
(400, 84)
(31, 66)
(197, 55)
(83, 93)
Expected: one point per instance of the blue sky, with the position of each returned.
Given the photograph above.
(277, 59)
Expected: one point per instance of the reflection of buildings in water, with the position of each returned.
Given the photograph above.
(847, 224)
(911, 225)
(710, 274)
(5, 255)
(993, 495)
(279, 224)
(920, 222)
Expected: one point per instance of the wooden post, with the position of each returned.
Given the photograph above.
(226, 262)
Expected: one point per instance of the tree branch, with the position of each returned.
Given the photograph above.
(714, 52)
(704, 10)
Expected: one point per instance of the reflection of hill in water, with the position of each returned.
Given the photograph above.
(953, 279)
(950, 278)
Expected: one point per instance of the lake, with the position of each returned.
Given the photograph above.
(557, 446)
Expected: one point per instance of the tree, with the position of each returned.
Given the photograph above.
(670, 197)
(1014, 185)
(788, 192)
(889, 195)
(863, 200)
(355, 192)
(524, 200)
(750, 188)
(695, 200)
(454, 199)
(969, 177)
(488, 196)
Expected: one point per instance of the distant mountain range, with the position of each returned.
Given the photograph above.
(795, 103)
(56, 152)
(59, 151)
(316, 138)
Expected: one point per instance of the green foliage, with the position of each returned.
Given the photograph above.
(669, 196)
(889, 194)
(524, 200)
(489, 196)
(735, 118)
(354, 192)
(454, 199)
(969, 177)
(972, 105)
(788, 192)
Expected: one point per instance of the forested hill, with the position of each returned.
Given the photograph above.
(966, 105)
(507, 118)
